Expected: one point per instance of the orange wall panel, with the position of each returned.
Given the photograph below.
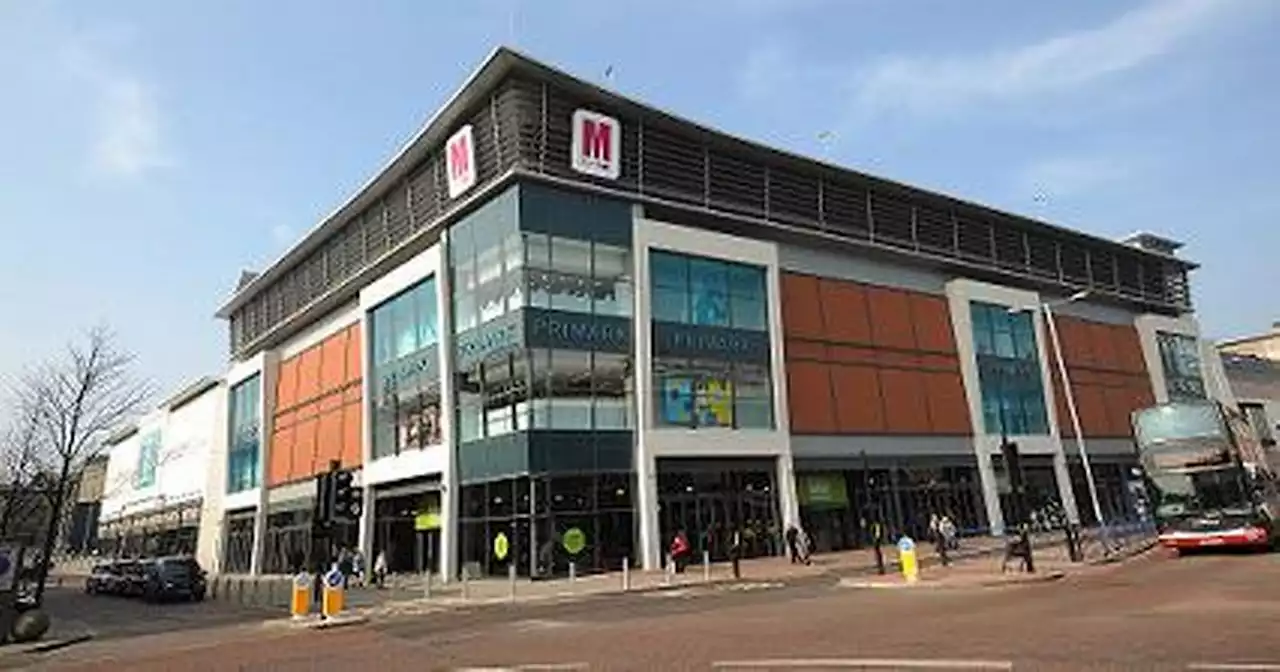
(809, 391)
(309, 374)
(906, 409)
(844, 311)
(891, 318)
(859, 408)
(304, 449)
(280, 454)
(1128, 350)
(333, 361)
(1104, 349)
(287, 384)
(352, 435)
(329, 436)
(801, 310)
(354, 354)
(948, 407)
(932, 321)
(799, 349)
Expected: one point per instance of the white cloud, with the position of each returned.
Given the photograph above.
(282, 235)
(1068, 176)
(127, 136)
(1059, 63)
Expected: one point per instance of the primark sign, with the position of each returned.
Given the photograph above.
(683, 340)
(577, 331)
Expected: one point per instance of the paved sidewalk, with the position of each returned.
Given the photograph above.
(976, 562)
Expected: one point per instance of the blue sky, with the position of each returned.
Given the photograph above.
(150, 150)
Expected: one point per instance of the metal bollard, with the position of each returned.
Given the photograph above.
(511, 580)
(466, 584)
(626, 574)
(573, 571)
(426, 584)
(706, 566)
(667, 570)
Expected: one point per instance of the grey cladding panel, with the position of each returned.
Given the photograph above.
(859, 269)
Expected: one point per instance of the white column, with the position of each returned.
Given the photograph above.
(990, 489)
(266, 424)
(366, 534)
(448, 537)
(651, 542)
(1062, 474)
(209, 542)
(788, 502)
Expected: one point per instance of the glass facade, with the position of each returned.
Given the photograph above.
(404, 335)
(712, 393)
(543, 296)
(1180, 359)
(695, 290)
(1008, 370)
(148, 460)
(243, 456)
(711, 343)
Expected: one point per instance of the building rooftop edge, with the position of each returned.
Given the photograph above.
(504, 59)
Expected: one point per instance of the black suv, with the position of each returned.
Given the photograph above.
(173, 578)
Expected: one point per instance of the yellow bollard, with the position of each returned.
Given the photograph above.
(300, 598)
(333, 599)
(907, 559)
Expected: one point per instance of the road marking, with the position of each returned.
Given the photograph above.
(1238, 667)
(863, 664)
(532, 667)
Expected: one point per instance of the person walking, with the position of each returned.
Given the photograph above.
(793, 543)
(735, 553)
(680, 550)
(380, 569)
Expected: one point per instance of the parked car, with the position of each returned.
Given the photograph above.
(173, 578)
(103, 579)
(133, 578)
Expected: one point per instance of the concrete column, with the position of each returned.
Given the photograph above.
(266, 424)
(990, 489)
(1062, 475)
(447, 551)
(788, 502)
(651, 542)
(209, 542)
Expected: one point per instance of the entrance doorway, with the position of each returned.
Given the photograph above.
(709, 500)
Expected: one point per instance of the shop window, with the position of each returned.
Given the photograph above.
(694, 290)
(406, 395)
(1180, 360)
(243, 471)
(1008, 370)
(712, 393)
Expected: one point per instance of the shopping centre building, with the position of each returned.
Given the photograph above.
(561, 326)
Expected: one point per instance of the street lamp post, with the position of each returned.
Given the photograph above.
(1071, 408)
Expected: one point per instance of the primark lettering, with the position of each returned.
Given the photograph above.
(579, 332)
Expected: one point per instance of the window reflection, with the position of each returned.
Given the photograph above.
(1180, 359)
(703, 291)
(246, 421)
(406, 383)
(1008, 370)
(545, 389)
(710, 393)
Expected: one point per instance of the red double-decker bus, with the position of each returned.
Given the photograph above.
(1211, 481)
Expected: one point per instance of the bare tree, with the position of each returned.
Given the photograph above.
(19, 446)
(74, 402)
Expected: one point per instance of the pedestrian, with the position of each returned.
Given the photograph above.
(380, 569)
(793, 541)
(358, 567)
(346, 565)
(735, 553)
(939, 539)
(804, 544)
(680, 550)
(949, 532)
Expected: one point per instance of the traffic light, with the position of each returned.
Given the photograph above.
(347, 500)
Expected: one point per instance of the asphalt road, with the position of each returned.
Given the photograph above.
(1153, 613)
(112, 617)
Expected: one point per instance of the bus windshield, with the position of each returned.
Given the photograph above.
(1187, 492)
(1178, 422)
